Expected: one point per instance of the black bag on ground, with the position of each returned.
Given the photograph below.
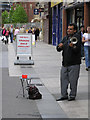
(34, 93)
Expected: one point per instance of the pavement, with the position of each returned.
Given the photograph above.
(0, 81)
(46, 74)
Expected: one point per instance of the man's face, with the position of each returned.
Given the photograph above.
(71, 30)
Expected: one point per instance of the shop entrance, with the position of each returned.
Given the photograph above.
(79, 17)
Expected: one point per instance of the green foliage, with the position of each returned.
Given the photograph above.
(19, 15)
(5, 17)
(15, 16)
(11, 15)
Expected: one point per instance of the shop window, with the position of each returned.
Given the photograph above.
(71, 16)
(30, 6)
(25, 6)
(79, 17)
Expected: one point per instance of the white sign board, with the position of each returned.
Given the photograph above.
(24, 44)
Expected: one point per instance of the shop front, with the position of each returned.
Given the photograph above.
(75, 14)
(56, 23)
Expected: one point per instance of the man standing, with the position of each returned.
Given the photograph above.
(11, 33)
(71, 63)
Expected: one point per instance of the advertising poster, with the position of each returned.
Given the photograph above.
(24, 44)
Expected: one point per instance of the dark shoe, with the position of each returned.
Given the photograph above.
(87, 69)
(71, 98)
(62, 98)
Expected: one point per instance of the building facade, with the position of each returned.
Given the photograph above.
(5, 6)
(64, 13)
(76, 12)
(47, 23)
(29, 8)
(56, 23)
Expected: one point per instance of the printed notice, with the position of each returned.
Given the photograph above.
(24, 44)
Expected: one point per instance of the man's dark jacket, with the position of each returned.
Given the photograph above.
(71, 55)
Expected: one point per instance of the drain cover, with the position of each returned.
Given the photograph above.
(25, 114)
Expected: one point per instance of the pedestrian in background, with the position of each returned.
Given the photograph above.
(86, 41)
(30, 30)
(71, 63)
(33, 30)
(16, 32)
(81, 32)
(7, 35)
(36, 33)
(22, 30)
(11, 33)
(3, 33)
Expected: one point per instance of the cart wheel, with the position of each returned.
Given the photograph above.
(29, 58)
(17, 58)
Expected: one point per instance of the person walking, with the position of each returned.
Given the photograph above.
(86, 41)
(22, 30)
(7, 35)
(11, 33)
(71, 63)
(30, 30)
(36, 33)
(81, 32)
(3, 33)
(16, 32)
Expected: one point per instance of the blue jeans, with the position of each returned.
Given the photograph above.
(11, 37)
(87, 55)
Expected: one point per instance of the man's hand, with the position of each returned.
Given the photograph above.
(60, 45)
(71, 44)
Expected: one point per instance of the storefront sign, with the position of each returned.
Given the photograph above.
(36, 11)
(55, 2)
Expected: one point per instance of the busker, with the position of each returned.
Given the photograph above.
(71, 53)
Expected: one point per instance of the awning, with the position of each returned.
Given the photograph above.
(55, 2)
(74, 5)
